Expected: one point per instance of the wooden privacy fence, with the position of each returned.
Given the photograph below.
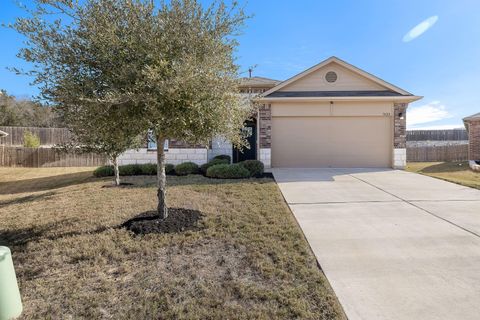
(48, 136)
(438, 153)
(47, 157)
(437, 135)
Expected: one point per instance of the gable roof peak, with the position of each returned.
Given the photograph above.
(344, 64)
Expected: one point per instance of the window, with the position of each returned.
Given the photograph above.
(152, 143)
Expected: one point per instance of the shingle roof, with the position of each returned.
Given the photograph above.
(258, 82)
(310, 94)
(475, 116)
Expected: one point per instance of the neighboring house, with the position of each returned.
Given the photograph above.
(331, 115)
(472, 123)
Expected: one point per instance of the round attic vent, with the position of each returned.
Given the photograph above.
(331, 76)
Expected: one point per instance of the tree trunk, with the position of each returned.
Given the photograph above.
(116, 170)
(161, 179)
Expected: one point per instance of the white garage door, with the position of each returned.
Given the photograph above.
(337, 142)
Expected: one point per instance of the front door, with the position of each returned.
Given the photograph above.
(250, 133)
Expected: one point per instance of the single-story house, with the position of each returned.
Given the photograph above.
(330, 115)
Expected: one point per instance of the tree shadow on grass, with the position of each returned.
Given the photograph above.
(446, 167)
(17, 238)
(26, 199)
(45, 183)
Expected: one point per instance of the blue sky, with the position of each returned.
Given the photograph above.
(286, 37)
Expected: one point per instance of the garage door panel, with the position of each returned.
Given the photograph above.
(331, 142)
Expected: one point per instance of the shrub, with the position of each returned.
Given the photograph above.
(186, 168)
(148, 169)
(30, 140)
(204, 167)
(255, 167)
(130, 170)
(169, 168)
(104, 171)
(227, 171)
(223, 157)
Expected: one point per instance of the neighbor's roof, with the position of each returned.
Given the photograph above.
(475, 116)
(258, 82)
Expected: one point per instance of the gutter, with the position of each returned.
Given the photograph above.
(406, 99)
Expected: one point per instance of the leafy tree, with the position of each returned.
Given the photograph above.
(170, 69)
(190, 85)
(76, 70)
(25, 113)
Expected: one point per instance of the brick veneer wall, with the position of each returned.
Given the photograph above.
(265, 125)
(400, 135)
(400, 128)
(265, 134)
(474, 139)
(179, 144)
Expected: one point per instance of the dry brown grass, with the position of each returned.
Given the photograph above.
(456, 172)
(248, 261)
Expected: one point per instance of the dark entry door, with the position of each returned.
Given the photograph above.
(250, 131)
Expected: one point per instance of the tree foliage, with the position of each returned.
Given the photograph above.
(116, 68)
(25, 113)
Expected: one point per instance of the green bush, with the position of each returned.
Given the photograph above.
(148, 169)
(255, 167)
(30, 140)
(130, 170)
(186, 168)
(105, 171)
(204, 167)
(169, 168)
(223, 157)
(227, 171)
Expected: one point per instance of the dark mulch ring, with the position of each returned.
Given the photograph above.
(178, 220)
(122, 184)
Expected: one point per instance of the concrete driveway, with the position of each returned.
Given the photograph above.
(393, 244)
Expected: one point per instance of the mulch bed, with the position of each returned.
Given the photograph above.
(178, 220)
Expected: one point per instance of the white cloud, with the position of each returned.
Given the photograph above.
(420, 29)
(433, 111)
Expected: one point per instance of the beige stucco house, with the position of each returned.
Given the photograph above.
(331, 115)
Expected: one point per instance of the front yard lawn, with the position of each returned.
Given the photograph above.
(247, 260)
(457, 172)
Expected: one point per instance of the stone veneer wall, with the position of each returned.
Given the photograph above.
(265, 134)
(220, 146)
(400, 135)
(173, 155)
(474, 139)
